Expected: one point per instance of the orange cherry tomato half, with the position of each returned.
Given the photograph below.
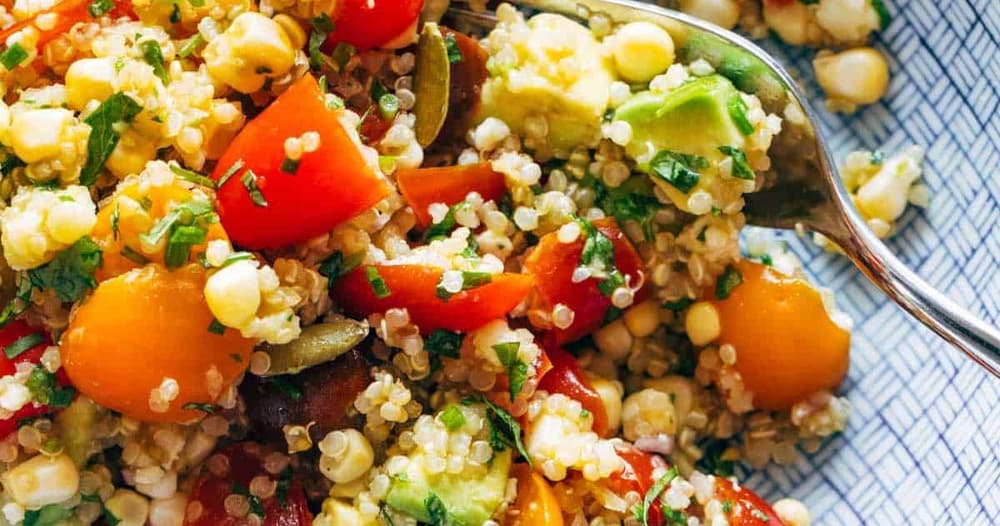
(787, 347)
(286, 507)
(9, 334)
(118, 233)
(423, 187)
(746, 507)
(366, 24)
(552, 263)
(567, 378)
(143, 327)
(414, 287)
(263, 206)
(536, 503)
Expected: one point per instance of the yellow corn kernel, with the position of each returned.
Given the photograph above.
(642, 50)
(857, 76)
(233, 294)
(35, 134)
(648, 413)
(251, 50)
(792, 512)
(168, 512)
(130, 155)
(42, 480)
(130, 508)
(614, 340)
(702, 323)
(347, 455)
(90, 79)
(643, 319)
(723, 13)
(610, 392)
(292, 28)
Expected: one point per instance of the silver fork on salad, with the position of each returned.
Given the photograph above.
(801, 190)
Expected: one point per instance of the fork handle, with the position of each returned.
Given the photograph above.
(973, 336)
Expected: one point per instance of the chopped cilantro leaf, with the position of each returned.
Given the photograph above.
(215, 327)
(741, 167)
(249, 180)
(153, 56)
(454, 52)
(442, 228)
(883, 13)
(442, 343)
(437, 511)
(517, 370)
(133, 255)
(103, 137)
(230, 172)
(192, 176)
(680, 170)
(642, 512)
(71, 273)
(337, 265)
(729, 280)
(100, 7)
(322, 27)
(289, 166)
(738, 113)
(678, 305)
(46, 391)
(598, 255)
(505, 432)
(204, 407)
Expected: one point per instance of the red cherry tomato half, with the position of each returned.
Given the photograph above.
(366, 24)
(11, 333)
(274, 207)
(567, 378)
(414, 287)
(637, 476)
(67, 14)
(746, 508)
(287, 507)
(423, 187)
(552, 263)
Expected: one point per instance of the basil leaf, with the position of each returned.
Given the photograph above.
(153, 56)
(729, 280)
(103, 137)
(71, 273)
(741, 167)
(678, 169)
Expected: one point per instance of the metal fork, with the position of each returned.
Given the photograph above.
(802, 189)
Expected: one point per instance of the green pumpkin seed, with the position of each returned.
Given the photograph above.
(431, 84)
(319, 343)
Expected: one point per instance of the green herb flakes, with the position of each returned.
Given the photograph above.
(680, 170)
(153, 56)
(71, 273)
(22, 345)
(133, 255)
(337, 265)
(191, 176)
(470, 280)
(100, 7)
(505, 432)
(322, 27)
(46, 390)
(598, 254)
(517, 370)
(729, 280)
(216, 327)
(454, 51)
(452, 418)
(883, 14)
(13, 56)
(342, 54)
(437, 511)
(256, 506)
(678, 305)
(204, 407)
(877, 158)
(442, 343)
(741, 167)
(378, 284)
(287, 388)
(229, 173)
(290, 166)
(103, 137)
(249, 180)
(642, 512)
(189, 46)
(738, 113)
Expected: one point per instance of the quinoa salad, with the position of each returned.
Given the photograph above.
(297, 262)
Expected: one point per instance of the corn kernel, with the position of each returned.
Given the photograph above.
(642, 50)
(233, 294)
(42, 480)
(702, 323)
(251, 50)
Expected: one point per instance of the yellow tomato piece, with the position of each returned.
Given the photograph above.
(787, 347)
(536, 503)
(144, 330)
(133, 210)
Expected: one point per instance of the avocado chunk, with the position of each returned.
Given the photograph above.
(76, 429)
(688, 124)
(467, 502)
(549, 67)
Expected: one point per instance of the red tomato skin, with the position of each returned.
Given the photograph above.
(637, 475)
(413, 287)
(423, 187)
(211, 492)
(68, 12)
(552, 263)
(331, 185)
(367, 24)
(748, 508)
(8, 335)
(567, 378)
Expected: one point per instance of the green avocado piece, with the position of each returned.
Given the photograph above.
(469, 502)
(76, 429)
(696, 118)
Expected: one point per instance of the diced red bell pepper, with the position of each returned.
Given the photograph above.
(747, 508)
(329, 186)
(414, 287)
(423, 187)
(566, 377)
(10, 333)
(552, 263)
(373, 23)
(287, 507)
